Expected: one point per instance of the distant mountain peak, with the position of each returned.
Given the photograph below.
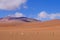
(24, 19)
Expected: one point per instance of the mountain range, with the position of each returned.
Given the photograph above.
(27, 22)
(23, 19)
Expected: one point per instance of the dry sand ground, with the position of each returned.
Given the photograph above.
(29, 33)
(49, 30)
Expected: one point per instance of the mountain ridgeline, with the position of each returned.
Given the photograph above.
(24, 19)
(27, 22)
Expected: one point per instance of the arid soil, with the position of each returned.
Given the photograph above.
(49, 30)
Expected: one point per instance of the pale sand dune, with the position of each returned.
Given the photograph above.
(49, 30)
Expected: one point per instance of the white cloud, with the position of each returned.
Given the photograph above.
(11, 4)
(44, 15)
(17, 14)
(54, 16)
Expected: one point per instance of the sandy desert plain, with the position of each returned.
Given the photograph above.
(48, 30)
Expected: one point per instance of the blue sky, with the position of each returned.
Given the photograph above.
(39, 9)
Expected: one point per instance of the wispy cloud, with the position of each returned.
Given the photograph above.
(17, 14)
(44, 15)
(11, 4)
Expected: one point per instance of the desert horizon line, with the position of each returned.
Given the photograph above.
(28, 17)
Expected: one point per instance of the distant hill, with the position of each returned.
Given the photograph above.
(24, 19)
(27, 22)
